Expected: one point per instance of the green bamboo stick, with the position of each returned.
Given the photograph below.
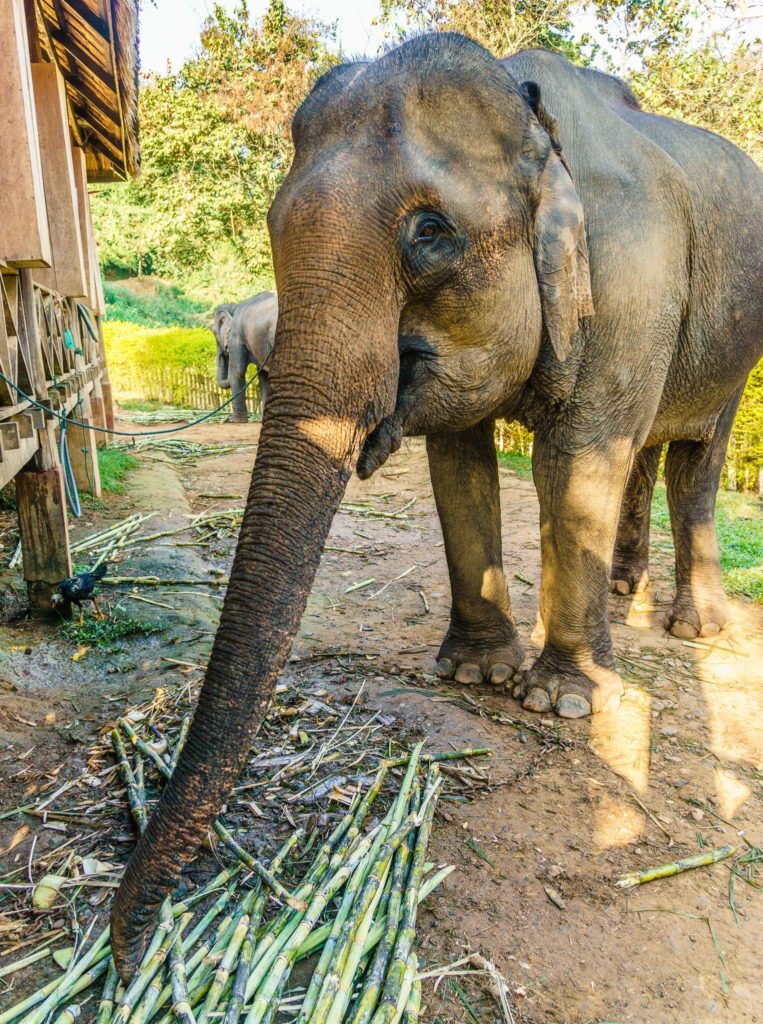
(701, 860)
(26, 961)
(147, 1003)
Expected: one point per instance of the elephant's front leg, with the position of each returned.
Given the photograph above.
(239, 412)
(481, 642)
(580, 496)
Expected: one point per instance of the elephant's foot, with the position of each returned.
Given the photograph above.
(473, 655)
(555, 684)
(238, 418)
(629, 576)
(698, 615)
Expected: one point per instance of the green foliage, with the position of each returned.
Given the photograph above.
(739, 526)
(114, 465)
(130, 347)
(103, 632)
(502, 27)
(215, 143)
(159, 305)
(518, 463)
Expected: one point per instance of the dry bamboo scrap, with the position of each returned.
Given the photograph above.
(701, 860)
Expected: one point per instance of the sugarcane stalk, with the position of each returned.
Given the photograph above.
(236, 1002)
(407, 931)
(106, 1004)
(288, 953)
(185, 725)
(145, 748)
(223, 971)
(299, 924)
(413, 1006)
(395, 1001)
(133, 796)
(154, 989)
(369, 997)
(68, 1015)
(181, 1007)
(701, 860)
(254, 865)
(27, 961)
(446, 755)
(79, 976)
(151, 963)
(343, 985)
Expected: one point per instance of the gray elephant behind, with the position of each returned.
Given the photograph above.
(244, 332)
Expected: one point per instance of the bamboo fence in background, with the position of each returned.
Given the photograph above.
(186, 388)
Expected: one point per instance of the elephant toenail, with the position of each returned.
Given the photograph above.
(621, 587)
(572, 705)
(537, 700)
(468, 675)
(519, 690)
(500, 674)
(683, 630)
(710, 629)
(445, 668)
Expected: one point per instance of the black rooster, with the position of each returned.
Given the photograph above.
(80, 588)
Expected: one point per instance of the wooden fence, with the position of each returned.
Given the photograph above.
(184, 388)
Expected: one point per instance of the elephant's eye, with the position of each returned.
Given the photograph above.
(427, 230)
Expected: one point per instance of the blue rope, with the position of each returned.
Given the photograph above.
(124, 433)
(70, 484)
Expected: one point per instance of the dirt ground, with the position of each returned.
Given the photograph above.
(571, 805)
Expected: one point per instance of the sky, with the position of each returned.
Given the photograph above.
(169, 29)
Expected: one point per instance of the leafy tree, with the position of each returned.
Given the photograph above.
(215, 139)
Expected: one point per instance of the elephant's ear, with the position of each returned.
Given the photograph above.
(561, 252)
(561, 256)
(221, 326)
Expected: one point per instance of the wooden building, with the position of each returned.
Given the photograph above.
(68, 118)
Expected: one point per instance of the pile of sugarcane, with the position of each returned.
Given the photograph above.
(354, 912)
(180, 449)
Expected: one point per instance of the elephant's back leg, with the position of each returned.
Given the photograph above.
(630, 562)
(693, 473)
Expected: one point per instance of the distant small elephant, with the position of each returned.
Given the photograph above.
(244, 332)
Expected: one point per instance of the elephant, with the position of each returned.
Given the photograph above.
(461, 238)
(244, 333)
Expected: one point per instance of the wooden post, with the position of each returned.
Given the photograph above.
(44, 533)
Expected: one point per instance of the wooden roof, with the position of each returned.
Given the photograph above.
(95, 45)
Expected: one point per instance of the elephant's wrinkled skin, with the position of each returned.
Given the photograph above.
(430, 255)
(244, 332)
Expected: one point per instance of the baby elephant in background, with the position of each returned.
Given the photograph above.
(244, 332)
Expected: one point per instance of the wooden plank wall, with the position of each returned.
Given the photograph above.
(25, 238)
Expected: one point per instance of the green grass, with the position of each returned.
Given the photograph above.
(739, 526)
(114, 465)
(164, 306)
(102, 633)
(520, 464)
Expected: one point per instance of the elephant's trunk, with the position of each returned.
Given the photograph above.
(222, 370)
(317, 415)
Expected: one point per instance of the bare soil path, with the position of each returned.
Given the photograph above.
(571, 805)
